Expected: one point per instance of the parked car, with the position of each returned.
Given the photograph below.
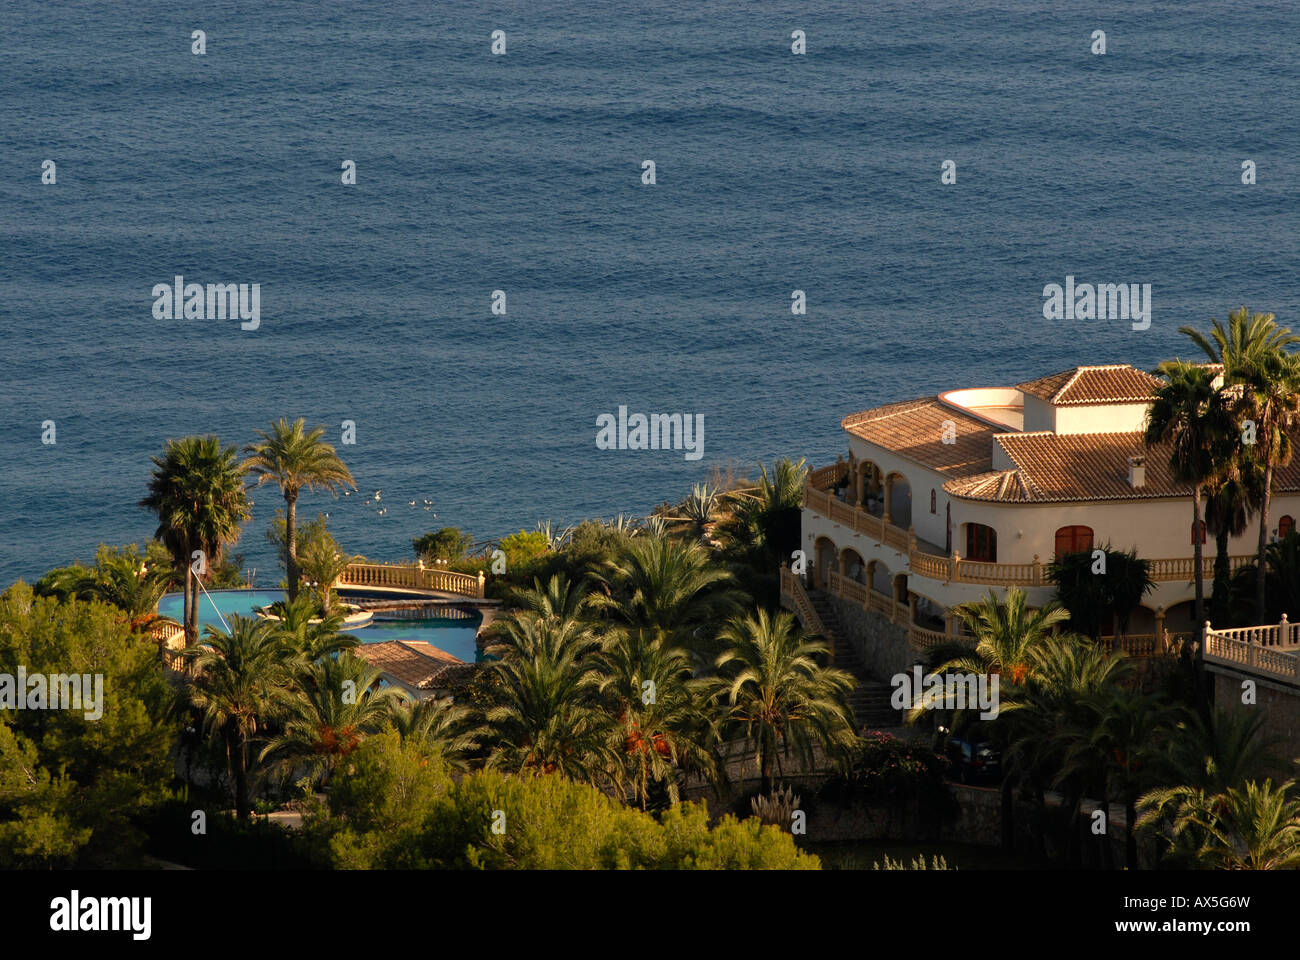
(974, 761)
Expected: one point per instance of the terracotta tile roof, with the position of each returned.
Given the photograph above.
(1109, 383)
(1079, 467)
(413, 662)
(1005, 486)
(914, 429)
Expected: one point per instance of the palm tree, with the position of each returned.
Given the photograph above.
(1252, 827)
(777, 694)
(559, 598)
(326, 713)
(1096, 599)
(547, 719)
(1128, 733)
(1252, 351)
(323, 563)
(1244, 339)
(667, 586)
(296, 459)
(664, 728)
(1271, 398)
(1061, 706)
(1223, 751)
(1006, 634)
(311, 634)
(1233, 495)
(233, 681)
(197, 490)
(439, 724)
(1192, 417)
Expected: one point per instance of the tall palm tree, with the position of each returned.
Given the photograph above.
(1271, 398)
(1252, 827)
(197, 491)
(1192, 417)
(776, 693)
(234, 680)
(1252, 349)
(326, 712)
(1233, 495)
(296, 459)
(547, 719)
(664, 728)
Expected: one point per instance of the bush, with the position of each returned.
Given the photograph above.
(396, 806)
(71, 787)
(449, 543)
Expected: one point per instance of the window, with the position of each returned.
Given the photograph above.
(1073, 539)
(934, 504)
(981, 543)
(1201, 523)
(1285, 526)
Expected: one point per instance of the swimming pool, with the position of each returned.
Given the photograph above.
(452, 634)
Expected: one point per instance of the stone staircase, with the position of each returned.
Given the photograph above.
(870, 698)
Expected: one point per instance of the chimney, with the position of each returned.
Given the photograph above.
(1137, 472)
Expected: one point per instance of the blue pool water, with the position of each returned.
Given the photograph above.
(455, 636)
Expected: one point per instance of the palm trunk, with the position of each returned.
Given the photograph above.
(1219, 605)
(1261, 568)
(1198, 558)
(192, 600)
(291, 542)
(1008, 814)
(1130, 831)
(243, 806)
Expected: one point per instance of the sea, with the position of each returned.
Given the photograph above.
(523, 172)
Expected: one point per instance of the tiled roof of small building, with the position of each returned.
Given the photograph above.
(1109, 383)
(413, 662)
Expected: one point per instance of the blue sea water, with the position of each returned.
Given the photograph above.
(522, 173)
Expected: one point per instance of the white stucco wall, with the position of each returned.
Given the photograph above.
(1103, 418)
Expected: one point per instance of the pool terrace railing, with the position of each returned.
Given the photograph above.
(415, 576)
(1272, 649)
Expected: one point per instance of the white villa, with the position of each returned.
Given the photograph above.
(940, 499)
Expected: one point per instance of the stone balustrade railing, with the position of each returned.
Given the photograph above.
(1272, 649)
(792, 587)
(954, 569)
(412, 577)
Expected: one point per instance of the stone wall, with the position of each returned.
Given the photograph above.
(1279, 702)
(881, 645)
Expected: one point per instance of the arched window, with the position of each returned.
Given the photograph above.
(1285, 526)
(1201, 524)
(934, 503)
(1073, 539)
(981, 543)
